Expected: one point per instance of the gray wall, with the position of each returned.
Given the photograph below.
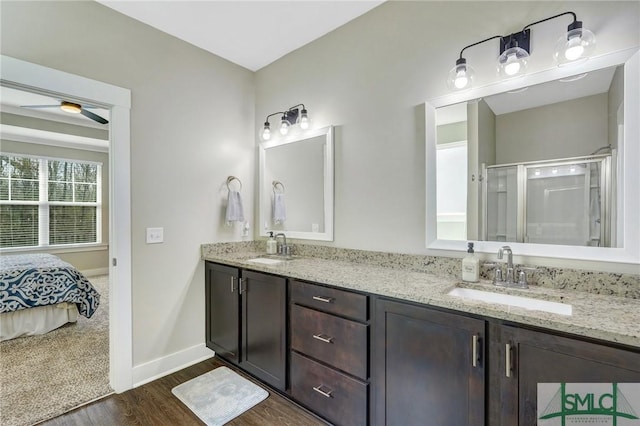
(614, 101)
(561, 130)
(191, 127)
(53, 126)
(369, 78)
(452, 132)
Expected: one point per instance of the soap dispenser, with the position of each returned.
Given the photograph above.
(272, 244)
(470, 266)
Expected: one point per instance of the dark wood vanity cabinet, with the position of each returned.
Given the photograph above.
(222, 327)
(329, 368)
(429, 366)
(246, 321)
(358, 359)
(264, 327)
(524, 358)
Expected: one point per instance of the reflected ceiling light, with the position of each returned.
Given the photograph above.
(573, 78)
(70, 107)
(575, 46)
(290, 117)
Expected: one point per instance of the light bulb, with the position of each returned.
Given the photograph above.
(304, 119)
(284, 126)
(512, 66)
(461, 80)
(574, 49)
(575, 46)
(513, 61)
(266, 132)
(461, 76)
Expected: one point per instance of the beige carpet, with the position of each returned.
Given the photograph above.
(44, 376)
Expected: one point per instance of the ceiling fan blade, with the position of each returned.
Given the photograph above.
(40, 106)
(93, 116)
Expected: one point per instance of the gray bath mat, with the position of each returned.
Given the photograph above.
(220, 395)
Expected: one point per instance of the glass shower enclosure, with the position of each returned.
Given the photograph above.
(564, 201)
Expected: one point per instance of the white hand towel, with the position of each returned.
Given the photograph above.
(279, 210)
(235, 212)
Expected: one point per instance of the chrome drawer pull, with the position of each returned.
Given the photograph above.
(507, 360)
(323, 338)
(321, 392)
(323, 299)
(474, 350)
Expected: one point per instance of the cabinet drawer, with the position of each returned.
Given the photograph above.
(339, 398)
(336, 341)
(330, 300)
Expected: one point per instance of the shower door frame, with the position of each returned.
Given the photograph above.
(606, 195)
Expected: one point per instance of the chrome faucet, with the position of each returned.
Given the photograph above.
(283, 248)
(508, 279)
(501, 250)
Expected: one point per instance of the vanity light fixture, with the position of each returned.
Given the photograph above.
(290, 117)
(574, 46)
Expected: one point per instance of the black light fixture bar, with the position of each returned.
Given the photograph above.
(518, 47)
(289, 117)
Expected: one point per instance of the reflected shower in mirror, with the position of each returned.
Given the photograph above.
(541, 163)
(296, 185)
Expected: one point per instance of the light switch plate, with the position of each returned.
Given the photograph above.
(155, 235)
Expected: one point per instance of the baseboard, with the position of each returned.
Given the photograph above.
(95, 272)
(160, 367)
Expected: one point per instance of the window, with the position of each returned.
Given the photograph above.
(49, 202)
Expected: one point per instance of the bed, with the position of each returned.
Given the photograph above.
(41, 292)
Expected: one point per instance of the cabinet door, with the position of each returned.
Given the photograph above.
(429, 366)
(529, 357)
(264, 328)
(223, 311)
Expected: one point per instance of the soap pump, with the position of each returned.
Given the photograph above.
(272, 244)
(470, 266)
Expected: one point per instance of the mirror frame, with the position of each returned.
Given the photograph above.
(629, 217)
(327, 132)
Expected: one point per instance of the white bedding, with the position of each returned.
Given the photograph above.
(37, 320)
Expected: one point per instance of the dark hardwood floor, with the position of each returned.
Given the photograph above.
(154, 404)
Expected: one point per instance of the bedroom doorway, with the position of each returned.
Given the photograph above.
(34, 78)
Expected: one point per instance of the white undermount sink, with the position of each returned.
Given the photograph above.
(266, 260)
(510, 300)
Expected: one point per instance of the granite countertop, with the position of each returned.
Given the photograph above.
(608, 318)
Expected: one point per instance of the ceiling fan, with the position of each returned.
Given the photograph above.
(72, 108)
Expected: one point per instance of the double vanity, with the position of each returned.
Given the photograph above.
(376, 338)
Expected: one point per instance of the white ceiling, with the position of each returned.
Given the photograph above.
(249, 33)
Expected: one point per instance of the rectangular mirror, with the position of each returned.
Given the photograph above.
(296, 185)
(548, 163)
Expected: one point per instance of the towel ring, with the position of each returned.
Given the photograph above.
(275, 184)
(231, 179)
